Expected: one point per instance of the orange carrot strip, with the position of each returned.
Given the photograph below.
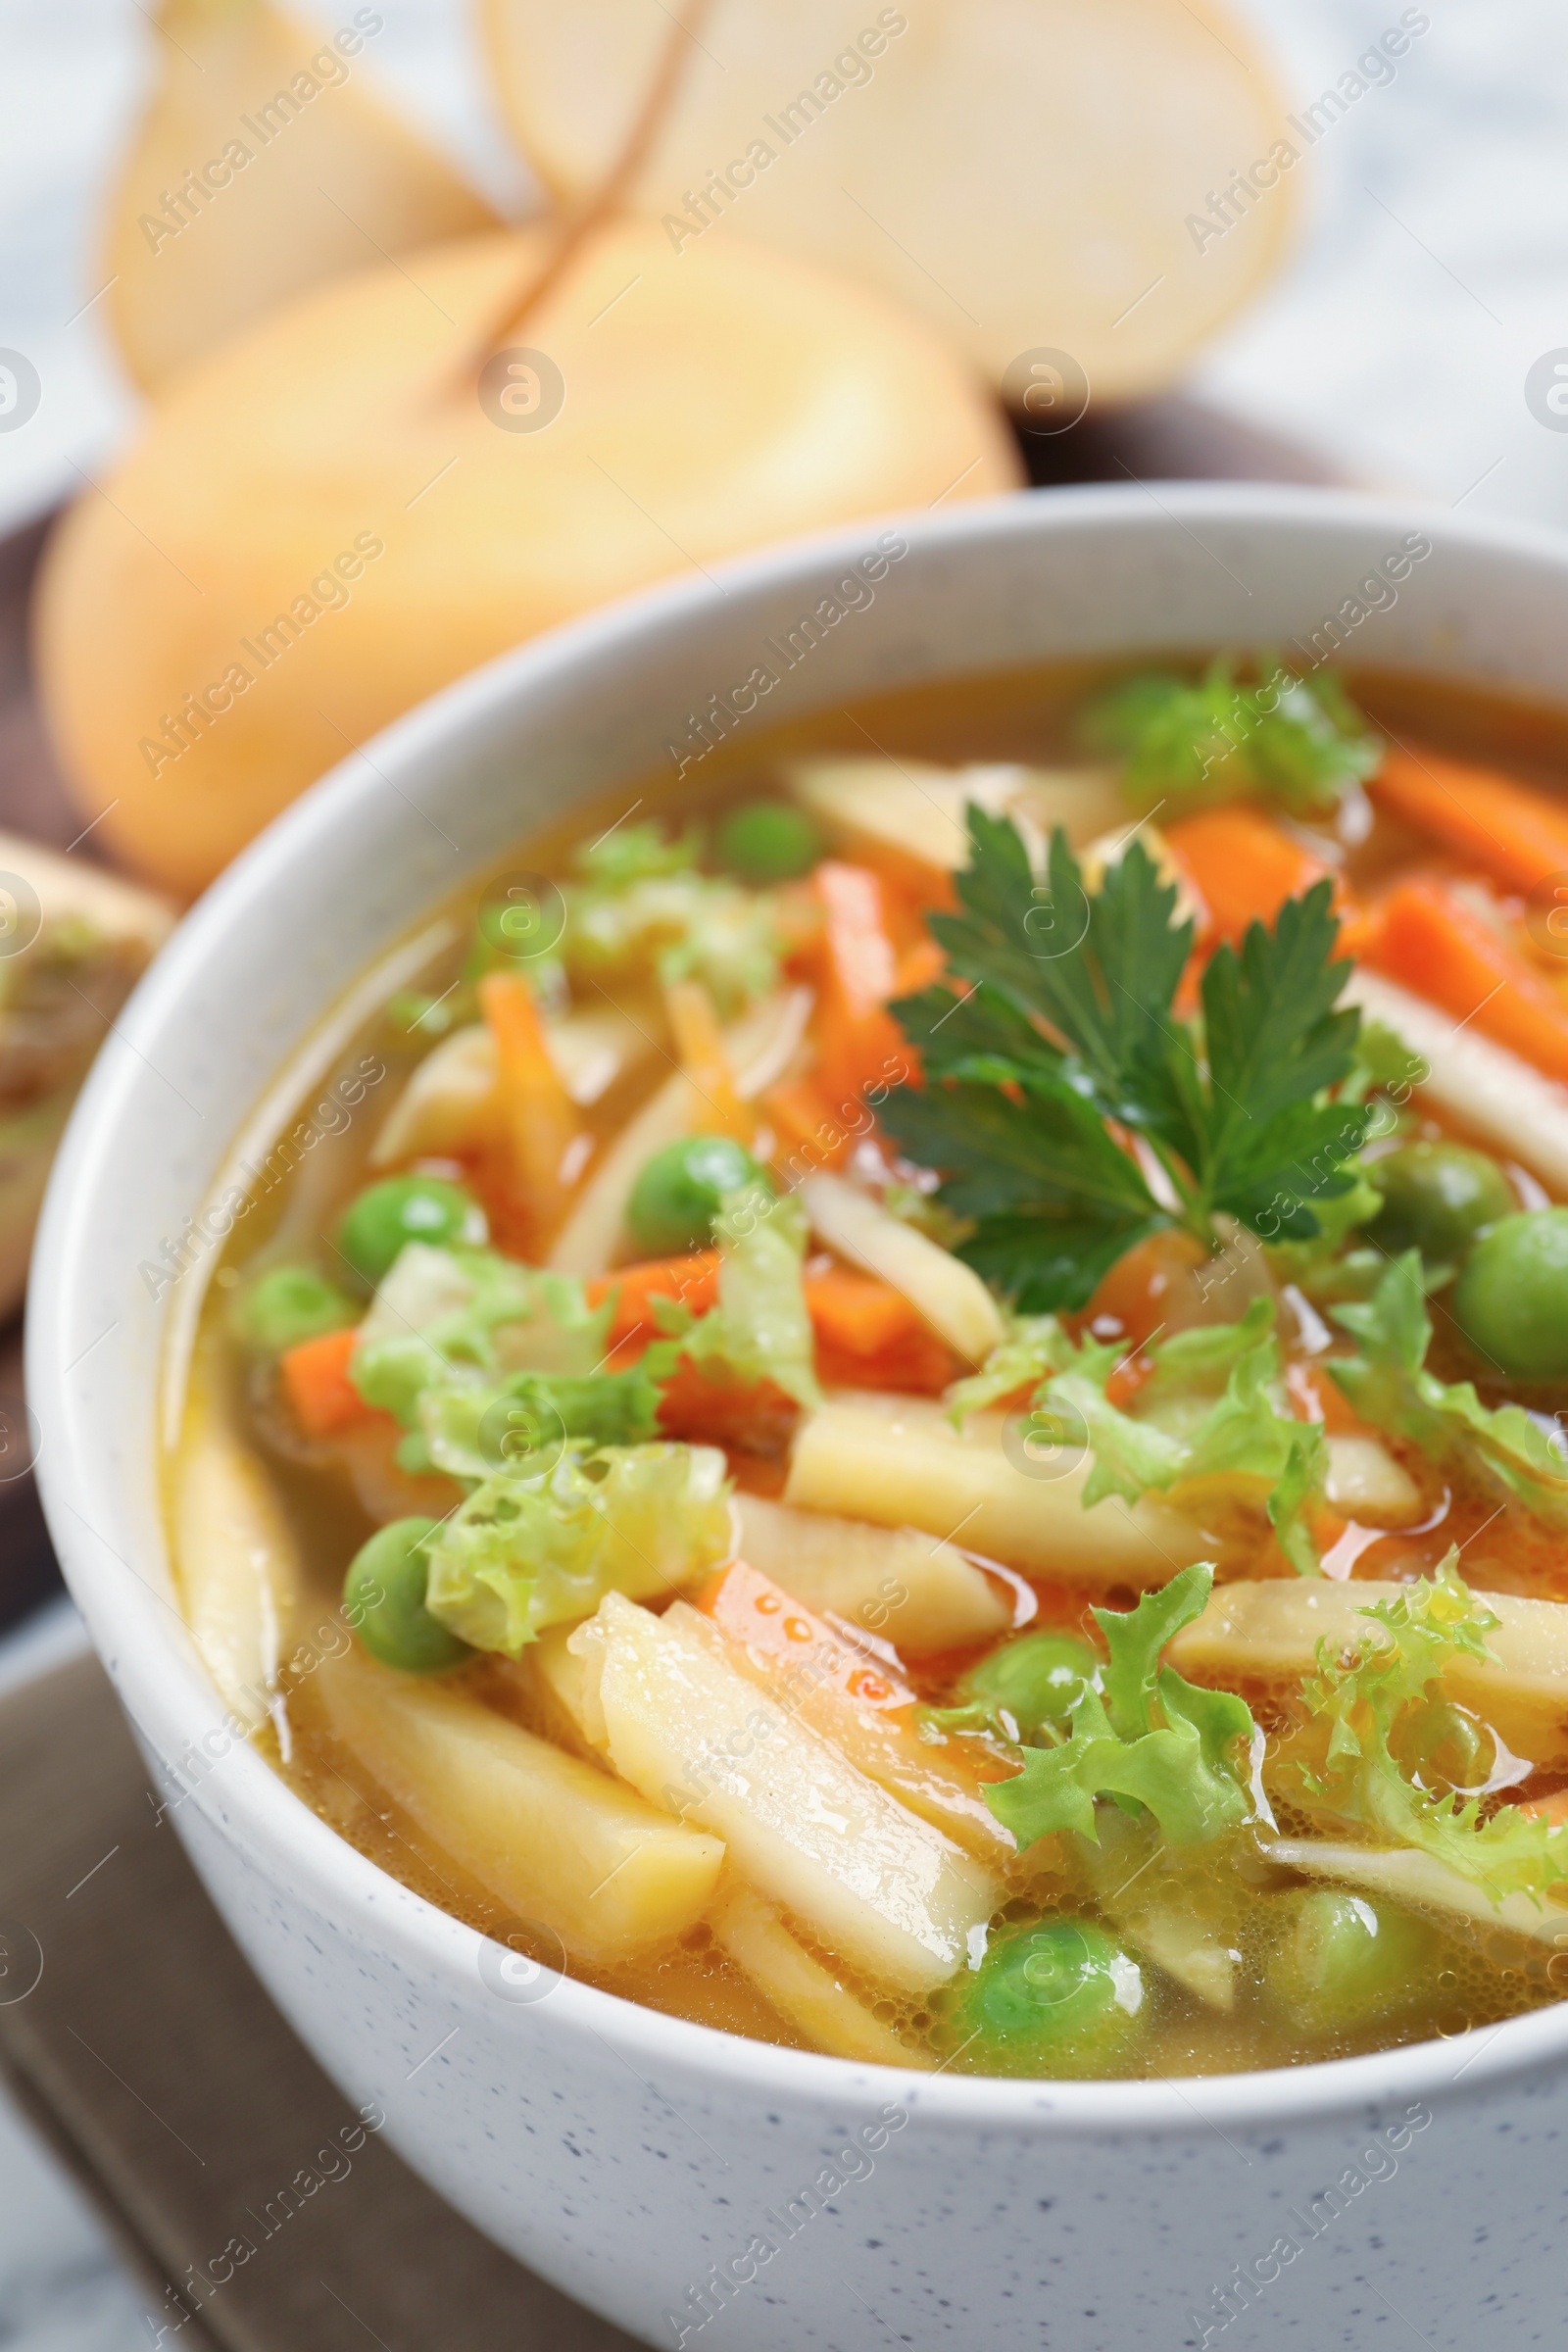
(691, 1281)
(919, 1364)
(1512, 831)
(700, 1043)
(808, 1134)
(1243, 868)
(859, 1704)
(1316, 1398)
(755, 1612)
(920, 966)
(1427, 938)
(750, 1419)
(315, 1381)
(857, 1313)
(539, 1123)
(857, 1039)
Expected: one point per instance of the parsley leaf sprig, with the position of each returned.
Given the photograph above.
(1068, 1048)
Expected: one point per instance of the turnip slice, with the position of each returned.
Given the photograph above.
(856, 1702)
(899, 1461)
(902, 813)
(1269, 1633)
(949, 1295)
(806, 1994)
(918, 1593)
(552, 1838)
(869, 1880)
(759, 1048)
(1489, 1090)
(235, 1559)
(1366, 1483)
(1408, 1877)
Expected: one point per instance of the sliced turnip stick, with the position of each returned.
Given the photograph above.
(908, 808)
(1408, 1877)
(918, 1593)
(864, 1876)
(898, 1460)
(806, 1994)
(552, 1838)
(1164, 1899)
(235, 1559)
(590, 1240)
(1098, 857)
(449, 1103)
(856, 1704)
(1484, 1086)
(949, 1295)
(1366, 1483)
(1269, 1633)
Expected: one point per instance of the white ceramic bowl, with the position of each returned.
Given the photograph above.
(651, 2167)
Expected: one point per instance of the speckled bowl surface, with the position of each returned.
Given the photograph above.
(685, 2183)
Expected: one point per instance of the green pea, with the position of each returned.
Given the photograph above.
(406, 1208)
(1511, 1300)
(1039, 1679)
(1059, 1998)
(1446, 1746)
(1340, 1962)
(1437, 1198)
(677, 1194)
(290, 1303)
(768, 840)
(383, 1601)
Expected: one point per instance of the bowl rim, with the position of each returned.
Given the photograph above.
(258, 1811)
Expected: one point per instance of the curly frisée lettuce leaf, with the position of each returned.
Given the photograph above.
(441, 1311)
(1146, 1737)
(629, 853)
(643, 907)
(762, 1327)
(474, 1429)
(526, 1553)
(1069, 1043)
(1177, 1437)
(1211, 1407)
(1187, 743)
(1035, 1345)
(1369, 1699)
(1388, 1384)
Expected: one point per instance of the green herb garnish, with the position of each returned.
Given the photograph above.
(1146, 1737)
(1382, 1702)
(1187, 743)
(525, 1551)
(1212, 1406)
(1069, 1032)
(1387, 1381)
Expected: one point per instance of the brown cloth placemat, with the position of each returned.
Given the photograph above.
(163, 2075)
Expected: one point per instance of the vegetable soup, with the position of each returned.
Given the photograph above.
(907, 1398)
